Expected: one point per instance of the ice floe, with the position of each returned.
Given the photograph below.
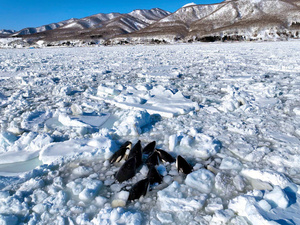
(231, 110)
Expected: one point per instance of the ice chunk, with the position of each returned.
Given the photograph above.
(173, 199)
(32, 184)
(2, 96)
(239, 183)
(4, 194)
(59, 150)
(230, 163)
(206, 146)
(68, 121)
(296, 110)
(117, 216)
(222, 217)
(30, 144)
(264, 205)
(40, 208)
(13, 206)
(8, 220)
(257, 154)
(258, 210)
(76, 109)
(89, 193)
(104, 91)
(165, 217)
(244, 206)
(186, 141)
(82, 171)
(35, 120)
(100, 201)
(161, 169)
(70, 148)
(272, 177)
(277, 197)
(173, 142)
(158, 100)
(132, 123)
(85, 188)
(224, 185)
(214, 204)
(120, 199)
(202, 180)
(6, 139)
(167, 179)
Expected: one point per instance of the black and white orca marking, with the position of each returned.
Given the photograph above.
(136, 152)
(139, 189)
(127, 170)
(154, 176)
(183, 166)
(149, 148)
(121, 153)
(164, 156)
(153, 159)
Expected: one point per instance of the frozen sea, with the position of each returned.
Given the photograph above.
(232, 110)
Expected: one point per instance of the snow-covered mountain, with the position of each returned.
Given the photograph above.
(231, 19)
(91, 21)
(5, 33)
(33, 30)
(99, 26)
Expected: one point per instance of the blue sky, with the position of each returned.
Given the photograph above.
(18, 14)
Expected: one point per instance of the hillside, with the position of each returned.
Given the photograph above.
(229, 20)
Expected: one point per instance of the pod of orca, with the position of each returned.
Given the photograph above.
(133, 156)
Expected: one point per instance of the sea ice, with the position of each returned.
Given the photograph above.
(132, 122)
(56, 151)
(171, 199)
(230, 163)
(202, 180)
(229, 107)
(117, 216)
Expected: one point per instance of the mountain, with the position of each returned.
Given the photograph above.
(99, 26)
(33, 30)
(5, 33)
(229, 20)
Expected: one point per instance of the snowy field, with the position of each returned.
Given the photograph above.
(231, 110)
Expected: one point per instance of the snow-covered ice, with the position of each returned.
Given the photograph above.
(230, 109)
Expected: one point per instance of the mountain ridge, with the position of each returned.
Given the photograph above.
(234, 20)
(228, 20)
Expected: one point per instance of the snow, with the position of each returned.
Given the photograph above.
(202, 180)
(275, 207)
(156, 100)
(230, 109)
(174, 199)
(58, 150)
(189, 4)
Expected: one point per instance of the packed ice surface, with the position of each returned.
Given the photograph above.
(231, 110)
